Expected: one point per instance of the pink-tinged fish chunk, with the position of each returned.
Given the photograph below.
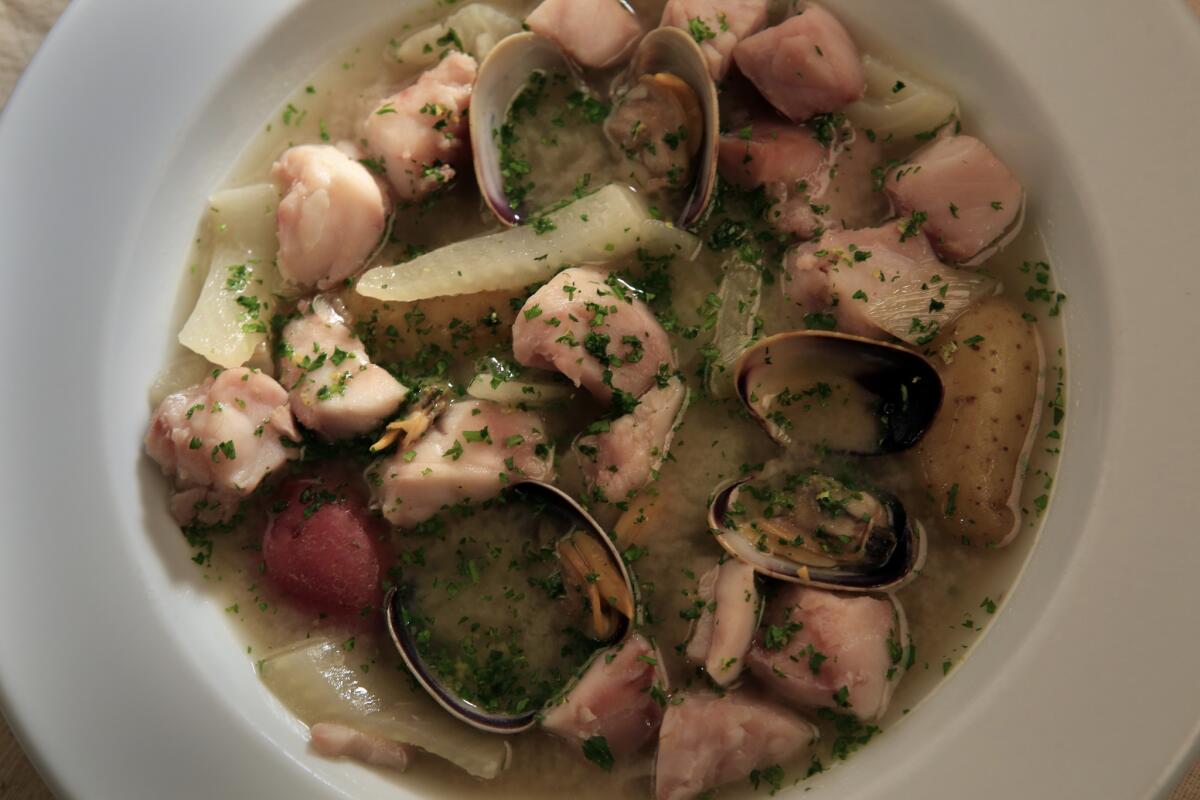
(718, 25)
(726, 626)
(333, 387)
(819, 649)
(595, 33)
(620, 459)
(334, 740)
(588, 326)
(969, 197)
(224, 435)
(420, 133)
(844, 272)
(473, 450)
(332, 215)
(613, 699)
(709, 740)
(816, 178)
(806, 65)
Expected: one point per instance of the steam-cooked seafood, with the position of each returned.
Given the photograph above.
(332, 215)
(717, 25)
(611, 466)
(419, 134)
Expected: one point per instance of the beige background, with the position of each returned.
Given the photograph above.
(23, 24)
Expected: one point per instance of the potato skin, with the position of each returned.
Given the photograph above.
(978, 442)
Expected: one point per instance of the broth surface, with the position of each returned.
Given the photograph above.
(444, 339)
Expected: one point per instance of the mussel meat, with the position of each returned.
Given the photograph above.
(841, 393)
(807, 527)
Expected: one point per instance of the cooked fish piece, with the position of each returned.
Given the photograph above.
(718, 25)
(223, 435)
(332, 215)
(474, 449)
(595, 33)
(613, 699)
(806, 65)
(967, 196)
(420, 133)
(332, 385)
(708, 740)
(821, 649)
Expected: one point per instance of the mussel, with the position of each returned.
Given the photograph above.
(667, 77)
(842, 393)
(811, 528)
(593, 584)
(664, 119)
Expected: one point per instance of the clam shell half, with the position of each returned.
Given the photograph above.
(841, 393)
(589, 547)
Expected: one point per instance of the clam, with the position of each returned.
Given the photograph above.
(598, 593)
(842, 393)
(667, 82)
(807, 527)
(502, 76)
(664, 119)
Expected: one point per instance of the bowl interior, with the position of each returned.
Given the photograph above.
(170, 632)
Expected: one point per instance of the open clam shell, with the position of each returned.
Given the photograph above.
(666, 61)
(593, 573)
(843, 393)
(817, 531)
(501, 77)
(668, 79)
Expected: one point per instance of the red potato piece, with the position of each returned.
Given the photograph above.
(595, 33)
(331, 217)
(806, 65)
(845, 654)
(729, 21)
(968, 196)
(421, 150)
(709, 740)
(323, 549)
(612, 699)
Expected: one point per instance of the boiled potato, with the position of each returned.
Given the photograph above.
(973, 457)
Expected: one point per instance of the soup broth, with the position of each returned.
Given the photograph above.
(487, 579)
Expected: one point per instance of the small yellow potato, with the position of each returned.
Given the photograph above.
(974, 456)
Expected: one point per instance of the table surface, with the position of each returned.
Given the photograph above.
(23, 24)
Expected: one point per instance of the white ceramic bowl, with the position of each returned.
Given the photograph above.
(121, 676)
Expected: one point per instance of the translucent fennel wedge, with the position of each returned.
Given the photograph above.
(741, 294)
(475, 28)
(230, 318)
(606, 226)
(929, 300)
(315, 682)
(900, 105)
